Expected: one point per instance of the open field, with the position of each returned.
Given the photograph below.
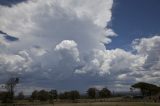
(94, 104)
(111, 104)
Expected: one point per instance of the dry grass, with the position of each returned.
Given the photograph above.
(108, 104)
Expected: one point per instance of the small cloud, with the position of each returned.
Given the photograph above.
(122, 76)
(38, 51)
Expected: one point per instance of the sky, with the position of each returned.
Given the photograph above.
(68, 44)
(133, 19)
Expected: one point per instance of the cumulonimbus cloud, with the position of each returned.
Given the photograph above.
(63, 41)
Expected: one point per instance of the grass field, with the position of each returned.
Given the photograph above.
(109, 104)
(96, 104)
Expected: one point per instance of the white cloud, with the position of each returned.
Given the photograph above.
(44, 24)
(68, 49)
(123, 67)
(146, 45)
(52, 21)
(122, 76)
(112, 61)
(149, 47)
(15, 63)
(63, 41)
(38, 51)
(3, 42)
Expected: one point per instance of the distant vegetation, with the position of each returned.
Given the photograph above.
(146, 91)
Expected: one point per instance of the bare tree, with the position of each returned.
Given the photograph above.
(10, 85)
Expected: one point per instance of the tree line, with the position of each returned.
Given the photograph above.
(8, 96)
(53, 95)
(73, 95)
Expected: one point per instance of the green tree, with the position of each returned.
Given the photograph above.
(34, 95)
(91, 92)
(53, 94)
(5, 97)
(61, 96)
(146, 89)
(74, 95)
(43, 95)
(104, 93)
(64, 95)
(70, 95)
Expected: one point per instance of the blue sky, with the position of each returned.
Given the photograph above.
(133, 19)
(60, 43)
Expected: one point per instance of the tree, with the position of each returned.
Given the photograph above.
(34, 95)
(104, 93)
(53, 94)
(70, 95)
(91, 92)
(5, 97)
(43, 95)
(61, 96)
(10, 86)
(146, 89)
(65, 95)
(73, 95)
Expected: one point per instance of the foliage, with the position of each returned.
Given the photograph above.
(104, 93)
(53, 94)
(72, 95)
(91, 92)
(34, 95)
(147, 89)
(43, 95)
(5, 97)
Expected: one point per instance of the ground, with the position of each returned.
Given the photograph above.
(111, 104)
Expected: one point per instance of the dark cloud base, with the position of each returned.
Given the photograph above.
(9, 37)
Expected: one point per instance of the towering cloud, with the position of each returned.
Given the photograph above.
(62, 42)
